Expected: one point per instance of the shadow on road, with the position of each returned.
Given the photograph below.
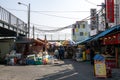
(75, 71)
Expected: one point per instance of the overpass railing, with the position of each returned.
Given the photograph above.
(10, 19)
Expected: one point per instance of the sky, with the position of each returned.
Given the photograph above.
(51, 14)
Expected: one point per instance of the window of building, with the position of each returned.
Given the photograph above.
(74, 26)
(73, 31)
(85, 33)
(81, 33)
(78, 25)
(83, 25)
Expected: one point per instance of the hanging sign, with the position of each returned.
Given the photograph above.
(110, 11)
(112, 39)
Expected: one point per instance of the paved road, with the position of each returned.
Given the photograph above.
(64, 70)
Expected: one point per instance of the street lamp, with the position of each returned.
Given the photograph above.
(28, 6)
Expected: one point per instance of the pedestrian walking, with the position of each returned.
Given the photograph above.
(92, 53)
(61, 52)
(88, 53)
(56, 53)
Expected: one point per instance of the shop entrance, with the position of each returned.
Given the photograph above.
(119, 57)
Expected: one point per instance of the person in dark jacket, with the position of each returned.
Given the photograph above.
(92, 53)
(61, 52)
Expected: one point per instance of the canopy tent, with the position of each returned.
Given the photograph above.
(38, 42)
(42, 40)
(68, 42)
(57, 44)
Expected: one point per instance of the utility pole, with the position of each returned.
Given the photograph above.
(45, 37)
(65, 36)
(17, 34)
(33, 32)
(103, 10)
(51, 36)
(28, 24)
(37, 35)
(106, 21)
(29, 20)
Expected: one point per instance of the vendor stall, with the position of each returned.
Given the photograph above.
(112, 46)
(27, 46)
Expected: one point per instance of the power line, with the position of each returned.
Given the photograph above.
(58, 16)
(43, 25)
(41, 12)
(62, 28)
(54, 30)
(50, 11)
(91, 2)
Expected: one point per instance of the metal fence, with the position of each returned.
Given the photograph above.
(10, 19)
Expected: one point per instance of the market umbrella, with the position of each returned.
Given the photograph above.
(68, 42)
(57, 43)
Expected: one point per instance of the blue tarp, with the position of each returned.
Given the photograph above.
(114, 28)
(84, 41)
(106, 32)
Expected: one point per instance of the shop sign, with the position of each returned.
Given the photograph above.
(111, 39)
(110, 10)
(111, 63)
(93, 19)
(100, 69)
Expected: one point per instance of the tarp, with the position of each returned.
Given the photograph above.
(84, 41)
(68, 42)
(102, 34)
(38, 42)
(115, 28)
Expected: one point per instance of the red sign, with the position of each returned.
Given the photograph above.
(111, 63)
(112, 39)
(110, 11)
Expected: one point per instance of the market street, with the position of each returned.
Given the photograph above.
(64, 70)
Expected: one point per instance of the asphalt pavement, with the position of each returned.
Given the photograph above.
(61, 70)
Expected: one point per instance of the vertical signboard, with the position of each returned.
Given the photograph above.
(100, 66)
(93, 19)
(100, 69)
(110, 10)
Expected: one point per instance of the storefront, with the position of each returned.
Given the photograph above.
(112, 47)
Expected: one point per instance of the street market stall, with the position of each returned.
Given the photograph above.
(112, 44)
(107, 42)
(24, 50)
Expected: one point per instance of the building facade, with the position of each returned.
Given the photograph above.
(117, 11)
(108, 16)
(80, 31)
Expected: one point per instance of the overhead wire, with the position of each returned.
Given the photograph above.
(54, 30)
(91, 2)
(43, 25)
(62, 28)
(41, 12)
(58, 29)
(70, 26)
(49, 11)
(58, 16)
